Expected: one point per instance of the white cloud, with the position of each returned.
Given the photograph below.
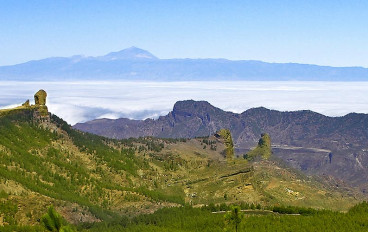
(82, 101)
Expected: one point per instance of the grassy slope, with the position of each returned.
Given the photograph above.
(41, 163)
(90, 178)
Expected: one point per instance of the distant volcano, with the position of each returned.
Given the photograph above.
(137, 64)
(132, 53)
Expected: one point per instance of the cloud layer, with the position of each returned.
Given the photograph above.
(83, 101)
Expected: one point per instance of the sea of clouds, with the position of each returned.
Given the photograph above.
(83, 101)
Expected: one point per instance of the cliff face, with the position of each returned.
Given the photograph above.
(309, 141)
(188, 119)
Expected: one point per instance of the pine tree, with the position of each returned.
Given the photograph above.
(53, 221)
(234, 217)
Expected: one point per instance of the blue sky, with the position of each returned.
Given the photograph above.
(315, 32)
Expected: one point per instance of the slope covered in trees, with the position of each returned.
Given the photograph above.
(95, 181)
(195, 219)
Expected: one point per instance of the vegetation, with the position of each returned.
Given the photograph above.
(54, 222)
(204, 219)
(195, 219)
(8, 211)
(228, 141)
(41, 157)
(150, 184)
(262, 150)
(234, 217)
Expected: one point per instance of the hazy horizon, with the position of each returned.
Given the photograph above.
(174, 58)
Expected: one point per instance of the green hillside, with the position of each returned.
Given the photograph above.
(91, 179)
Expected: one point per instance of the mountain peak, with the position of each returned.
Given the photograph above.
(192, 106)
(131, 53)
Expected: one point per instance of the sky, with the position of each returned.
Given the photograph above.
(328, 32)
(83, 101)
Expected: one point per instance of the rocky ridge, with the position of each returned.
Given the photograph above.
(335, 147)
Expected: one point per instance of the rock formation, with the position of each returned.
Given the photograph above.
(40, 98)
(26, 104)
(39, 108)
(40, 102)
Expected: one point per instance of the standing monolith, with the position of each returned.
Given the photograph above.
(40, 102)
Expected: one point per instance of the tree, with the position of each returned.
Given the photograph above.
(225, 134)
(234, 217)
(53, 221)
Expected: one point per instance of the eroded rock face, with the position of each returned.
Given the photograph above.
(40, 98)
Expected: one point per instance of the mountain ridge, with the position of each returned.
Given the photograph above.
(132, 53)
(190, 108)
(306, 140)
(138, 64)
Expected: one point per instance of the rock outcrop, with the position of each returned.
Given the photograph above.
(40, 98)
(26, 104)
(40, 102)
(39, 108)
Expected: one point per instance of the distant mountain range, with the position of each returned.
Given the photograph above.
(309, 141)
(137, 64)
